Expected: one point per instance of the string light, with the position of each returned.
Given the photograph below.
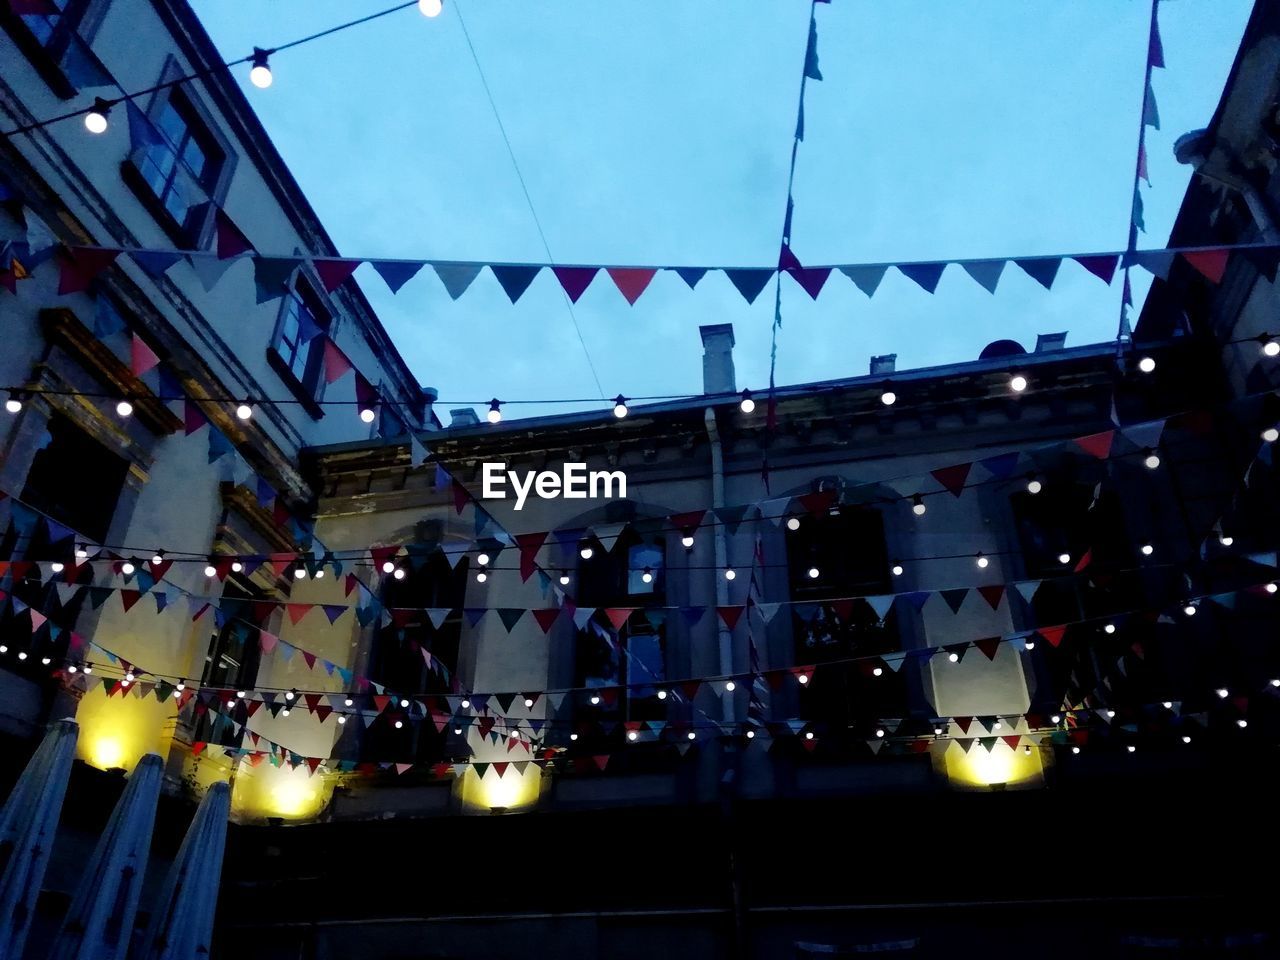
(751, 734)
(917, 505)
(179, 686)
(57, 566)
(1132, 748)
(466, 703)
(240, 694)
(237, 566)
(1027, 749)
(1111, 714)
(1148, 549)
(95, 121)
(595, 699)
(349, 702)
(692, 735)
(495, 411)
(1222, 693)
(210, 570)
(585, 552)
(887, 396)
(127, 568)
(528, 702)
(1029, 644)
(22, 654)
(1186, 739)
(1189, 609)
(1270, 347)
(483, 559)
(404, 703)
(82, 552)
(879, 731)
(730, 686)
(1167, 704)
(388, 566)
(1109, 628)
(687, 541)
(299, 573)
(793, 523)
(662, 694)
(128, 676)
(804, 679)
(808, 734)
(1033, 484)
(573, 736)
(1270, 435)
(564, 579)
(157, 558)
(897, 569)
(632, 735)
(981, 561)
(1017, 383)
(430, 8)
(14, 403)
(647, 575)
(1242, 723)
(46, 660)
(481, 577)
(814, 573)
(342, 718)
(399, 724)
(730, 574)
(1152, 460)
(124, 408)
(747, 405)
(877, 671)
(1225, 540)
(260, 72)
(953, 657)
(291, 694)
(1147, 364)
(619, 406)
(1271, 588)
(244, 411)
(1075, 750)
(1064, 558)
(399, 573)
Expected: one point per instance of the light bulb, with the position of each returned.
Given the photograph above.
(127, 568)
(1131, 748)
(483, 559)
(299, 573)
(342, 718)
(481, 577)
(95, 121)
(1242, 723)
(751, 734)
(804, 679)
(808, 734)
(1029, 645)
(289, 694)
(729, 574)
(586, 553)
(888, 398)
(953, 657)
(495, 411)
(57, 566)
(662, 694)
(260, 72)
(319, 574)
(157, 557)
(210, 570)
(1152, 460)
(814, 573)
(564, 579)
(1270, 348)
(897, 570)
(129, 676)
(632, 735)
(1186, 739)
(997, 725)
(937, 731)
(239, 694)
(237, 566)
(1064, 558)
(1271, 588)
(13, 404)
(1109, 628)
(430, 8)
(981, 561)
(687, 541)
(1148, 549)
(399, 573)
(1226, 541)
(1027, 749)
(404, 704)
(692, 735)
(284, 711)
(879, 731)
(1017, 383)
(1167, 704)
(82, 552)
(747, 404)
(1275, 683)
(1222, 693)
(1189, 609)
(573, 736)
(528, 702)
(22, 654)
(620, 406)
(1034, 485)
(46, 660)
(647, 575)
(368, 414)
(1111, 714)
(388, 566)
(1147, 364)
(179, 686)
(72, 668)
(1270, 435)
(917, 506)
(4, 648)
(877, 671)
(793, 523)
(124, 408)
(349, 702)
(244, 411)
(1075, 750)
(595, 700)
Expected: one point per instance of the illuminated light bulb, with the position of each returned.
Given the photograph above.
(1271, 435)
(1270, 348)
(1109, 628)
(564, 579)
(1167, 704)
(632, 735)
(981, 561)
(620, 406)
(662, 694)
(284, 711)
(804, 679)
(1075, 749)
(1222, 693)
(399, 573)
(808, 734)
(1111, 714)
(404, 704)
(388, 566)
(1226, 541)
(319, 574)
(879, 731)
(1056, 718)
(897, 570)
(299, 573)
(290, 694)
(751, 734)
(495, 411)
(127, 568)
(1189, 609)
(88, 668)
(466, 703)
(430, 8)
(888, 398)
(72, 668)
(586, 553)
(573, 736)
(692, 735)
(1027, 749)
(82, 551)
(937, 731)
(239, 694)
(368, 414)
(158, 557)
(917, 506)
(179, 686)
(647, 575)
(1131, 748)
(528, 702)
(4, 648)
(793, 523)
(1242, 723)
(1017, 383)
(1148, 549)
(1152, 460)
(1064, 558)
(95, 121)
(997, 725)
(729, 574)
(747, 405)
(14, 403)
(46, 660)
(57, 566)
(1186, 739)
(124, 408)
(953, 657)
(877, 671)
(237, 566)
(814, 573)
(481, 577)
(687, 541)
(1147, 364)
(129, 676)
(1029, 645)
(730, 686)
(1271, 588)
(260, 72)
(1276, 682)
(399, 724)
(1034, 485)
(244, 411)
(595, 700)
(348, 702)
(342, 718)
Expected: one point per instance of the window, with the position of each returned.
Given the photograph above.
(54, 40)
(56, 482)
(297, 349)
(832, 625)
(51, 27)
(182, 170)
(233, 656)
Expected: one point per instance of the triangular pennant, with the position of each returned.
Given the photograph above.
(866, 278)
(631, 281)
(1098, 444)
(1103, 266)
(924, 275)
(510, 616)
(992, 594)
(954, 598)
(575, 280)
(546, 617)
(953, 478)
(985, 272)
(990, 646)
(396, 273)
(690, 275)
(514, 278)
(1043, 270)
(730, 615)
(1211, 264)
(271, 276)
(749, 282)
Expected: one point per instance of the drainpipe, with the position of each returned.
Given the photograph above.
(722, 555)
(1194, 148)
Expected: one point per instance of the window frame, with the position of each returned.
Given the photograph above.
(309, 389)
(79, 19)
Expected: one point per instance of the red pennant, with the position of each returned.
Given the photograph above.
(501, 767)
(529, 544)
(1012, 740)
(601, 760)
(953, 478)
(818, 503)
(80, 265)
(631, 281)
(128, 598)
(546, 617)
(1097, 445)
(963, 723)
(1084, 561)
(687, 522)
(730, 615)
(313, 700)
(333, 272)
(313, 763)
(198, 747)
(460, 497)
(352, 581)
(843, 609)
(618, 615)
(141, 357)
(1211, 264)
(380, 700)
(992, 594)
(231, 242)
(989, 646)
(381, 555)
(575, 280)
(1052, 634)
(336, 363)
(280, 562)
(1104, 267)
(297, 611)
(309, 658)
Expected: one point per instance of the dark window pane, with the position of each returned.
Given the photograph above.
(56, 483)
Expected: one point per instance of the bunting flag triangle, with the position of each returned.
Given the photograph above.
(730, 615)
(336, 363)
(1098, 444)
(1211, 264)
(396, 273)
(924, 275)
(631, 281)
(529, 545)
(1043, 270)
(953, 478)
(1155, 262)
(581, 615)
(618, 616)
(230, 241)
(575, 280)
(1001, 466)
(881, 604)
(1027, 589)
(690, 275)
(692, 615)
(749, 281)
(867, 279)
(437, 615)
(78, 266)
(514, 278)
(333, 273)
(546, 617)
(768, 610)
(271, 276)
(986, 273)
(954, 598)
(141, 357)
(1052, 634)
(992, 594)
(732, 517)
(894, 661)
(510, 616)
(474, 614)
(989, 646)
(1103, 267)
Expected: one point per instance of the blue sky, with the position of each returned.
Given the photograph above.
(659, 132)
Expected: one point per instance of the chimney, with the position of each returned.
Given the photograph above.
(463, 417)
(1051, 341)
(884, 365)
(429, 396)
(717, 358)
